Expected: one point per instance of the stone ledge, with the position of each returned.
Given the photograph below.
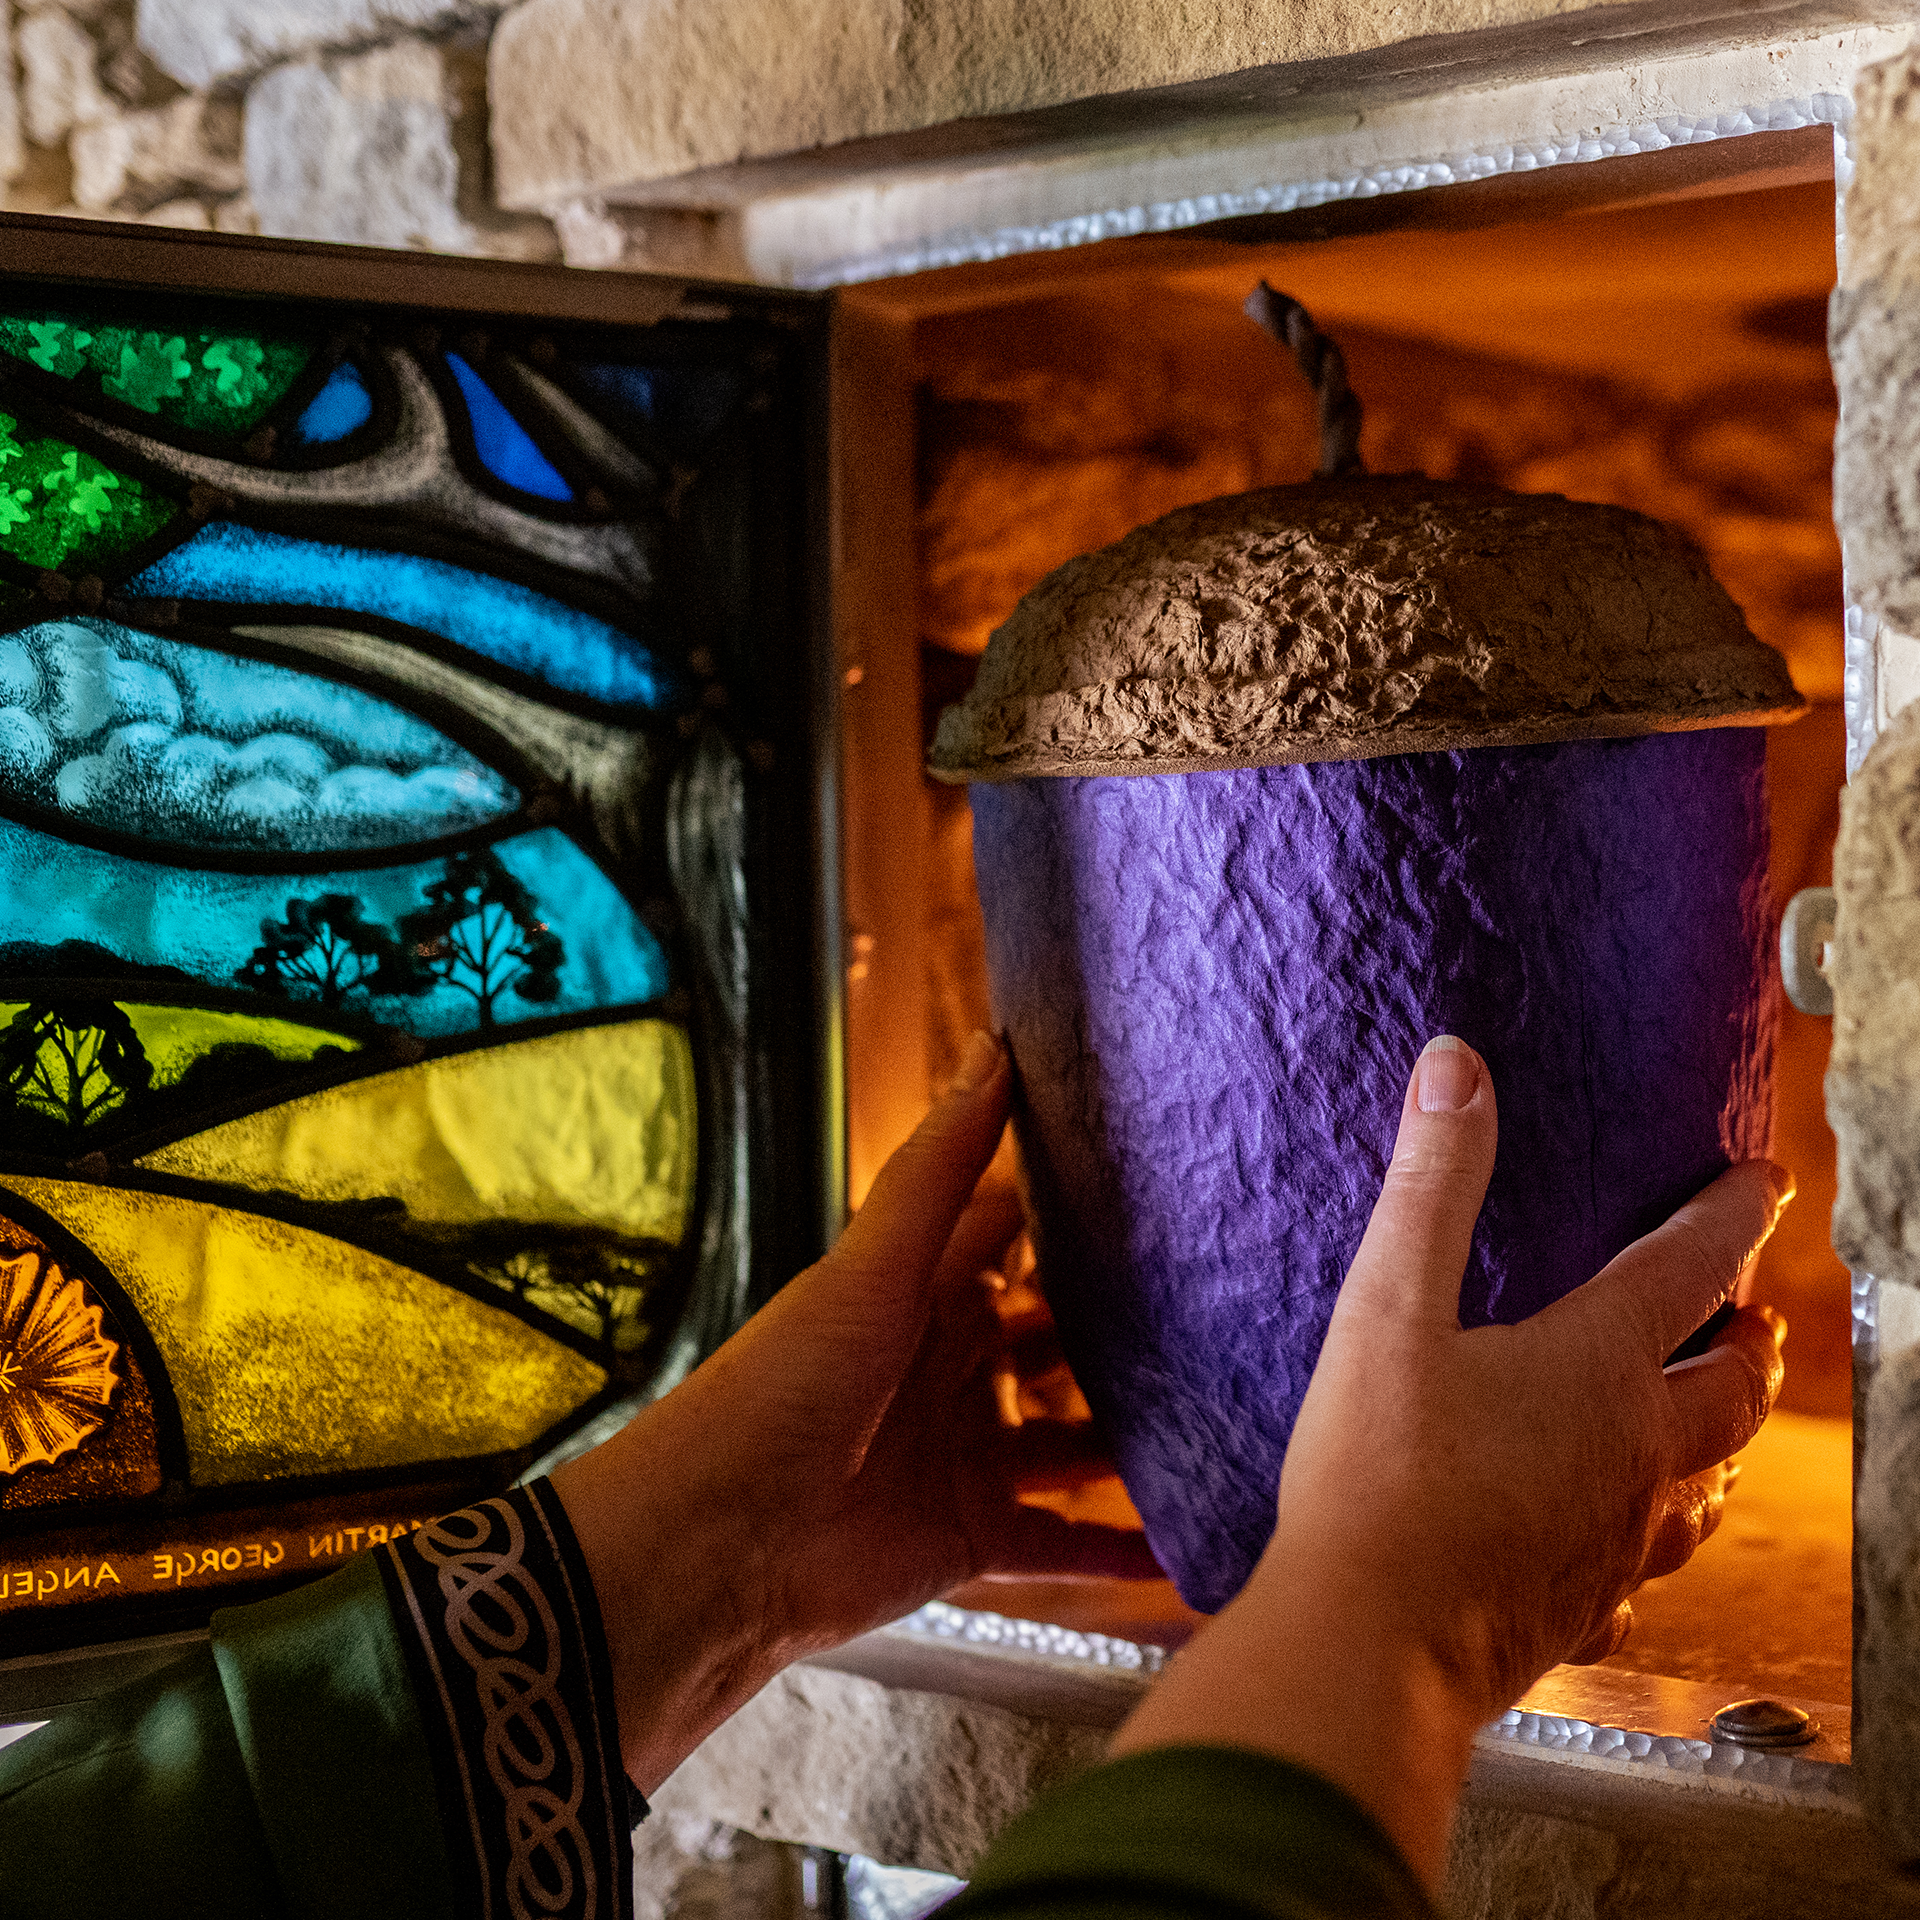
(1563, 1814)
(1275, 146)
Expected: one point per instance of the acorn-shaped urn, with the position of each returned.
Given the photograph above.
(1269, 793)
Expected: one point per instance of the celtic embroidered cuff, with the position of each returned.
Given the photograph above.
(502, 1637)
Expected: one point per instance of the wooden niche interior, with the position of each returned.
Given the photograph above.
(1669, 357)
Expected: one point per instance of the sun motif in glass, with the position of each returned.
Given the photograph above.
(56, 1365)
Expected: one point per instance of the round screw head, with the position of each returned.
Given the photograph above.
(1764, 1723)
(1806, 935)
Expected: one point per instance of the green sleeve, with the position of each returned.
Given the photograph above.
(280, 1770)
(431, 1731)
(1194, 1831)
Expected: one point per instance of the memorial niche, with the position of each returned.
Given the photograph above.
(372, 863)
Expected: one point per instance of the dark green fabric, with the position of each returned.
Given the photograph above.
(278, 1772)
(137, 1802)
(1200, 1831)
(325, 1722)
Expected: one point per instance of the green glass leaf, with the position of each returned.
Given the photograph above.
(57, 347)
(152, 369)
(60, 506)
(236, 367)
(213, 379)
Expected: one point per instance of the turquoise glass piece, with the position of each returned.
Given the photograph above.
(497, 619)
(224, 929)
(341, 407)
(197, 748)
(505, 447)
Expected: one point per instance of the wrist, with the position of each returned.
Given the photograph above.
(680, 1573)
(1324, 1671)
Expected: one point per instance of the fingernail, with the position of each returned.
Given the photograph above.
(1447, 1075)
(977, 1063)
(1776, 1324)
(1782, 1183)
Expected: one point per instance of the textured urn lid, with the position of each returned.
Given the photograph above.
(1346, 618)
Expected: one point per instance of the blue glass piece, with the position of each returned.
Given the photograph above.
(195, 748)
(511, 624)
(683, 405)
(341, 407)
(505, 447)
(210, 925)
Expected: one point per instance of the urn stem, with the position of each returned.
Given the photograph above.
(1324, 368)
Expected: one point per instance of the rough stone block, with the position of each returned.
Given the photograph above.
(159, 154)
(1875, 337)
(13, 153)
(384, 149)
(1873, 1073)
(1502, 1863)
(189, 215)
(1883, 199)
(695, 1869)
(591, 94)
(60, 86)
(1876, 471)
(914, 1779)
(236, 215)
(1886, 1652)
(204, 42)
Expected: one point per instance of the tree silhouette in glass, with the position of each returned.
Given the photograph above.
(481, 933)
(73, 1061)
(589, 1280)
(327, 948)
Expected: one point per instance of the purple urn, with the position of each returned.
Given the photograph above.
(1266, 795)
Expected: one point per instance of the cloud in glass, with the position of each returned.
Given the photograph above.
(193, 747)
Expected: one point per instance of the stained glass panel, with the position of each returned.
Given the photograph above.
(407, 881)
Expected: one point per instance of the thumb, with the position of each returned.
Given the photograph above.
(1415, 1249)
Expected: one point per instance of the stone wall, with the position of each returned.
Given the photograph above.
(1873, 1085)
(351, 120)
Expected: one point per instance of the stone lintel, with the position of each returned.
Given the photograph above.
(1298, 147)
(590, 94)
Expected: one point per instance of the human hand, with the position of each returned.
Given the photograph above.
(1528, 1477)
(1460, 1511)
(839, 1461)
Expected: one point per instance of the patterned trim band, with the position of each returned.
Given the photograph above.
(509, 1664)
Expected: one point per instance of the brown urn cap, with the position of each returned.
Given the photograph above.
(1341, 619)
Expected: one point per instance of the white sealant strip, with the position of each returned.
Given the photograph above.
(1866, 1320)
(1036, 1638)
(1690, 1762)
(1860, 682)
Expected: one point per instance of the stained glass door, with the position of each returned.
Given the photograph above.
(411, 893)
